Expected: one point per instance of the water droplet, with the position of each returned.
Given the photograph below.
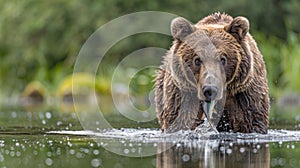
(86, 150)
(126, 151)
(1, 158)
(42, 145)
(72, 152)
(41, 115)
(96, 152)
(185, 157)
(281, 161)
(254, 150)
(18, 153)
(96, 162)
(133, 150)
(293, 146)
(59, 123)
(242, 150)
(43, 122)
(35, 152)
(58, 152)
(48, 161)
(48, 115)
(13, 114)
(49, 154)
(12, 153)
(229, 151)
(79, 155)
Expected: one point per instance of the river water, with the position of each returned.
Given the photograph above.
(51, 137)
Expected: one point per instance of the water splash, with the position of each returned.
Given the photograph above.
(155, 135)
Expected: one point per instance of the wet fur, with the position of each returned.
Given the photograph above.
(247, 102)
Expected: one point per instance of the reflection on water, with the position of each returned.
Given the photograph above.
(217, 155)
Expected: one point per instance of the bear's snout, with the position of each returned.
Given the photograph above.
(211, 83)
(210, 92)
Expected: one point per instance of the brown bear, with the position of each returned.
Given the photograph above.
(215, 60)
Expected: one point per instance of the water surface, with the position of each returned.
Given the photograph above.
(52, 138)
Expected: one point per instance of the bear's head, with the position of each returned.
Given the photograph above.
(210, 56)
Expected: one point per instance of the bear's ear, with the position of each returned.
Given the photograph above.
(239, 27)
(180, 28)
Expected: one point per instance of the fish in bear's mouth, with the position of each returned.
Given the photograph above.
(208, 108)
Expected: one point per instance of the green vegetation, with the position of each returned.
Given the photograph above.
(40, 40)
(283, 62)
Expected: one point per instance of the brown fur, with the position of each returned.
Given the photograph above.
(247, 103)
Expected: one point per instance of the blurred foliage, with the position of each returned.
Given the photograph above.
(39, 40)
(35, 90)
(141, 84)
(78, 83)
(283, 62)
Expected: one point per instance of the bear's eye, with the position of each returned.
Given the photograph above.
(197, 61)
(223, 60)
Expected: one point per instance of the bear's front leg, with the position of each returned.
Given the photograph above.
(187, 113)
(243, 113)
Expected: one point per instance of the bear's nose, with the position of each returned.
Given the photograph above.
(210, 92)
